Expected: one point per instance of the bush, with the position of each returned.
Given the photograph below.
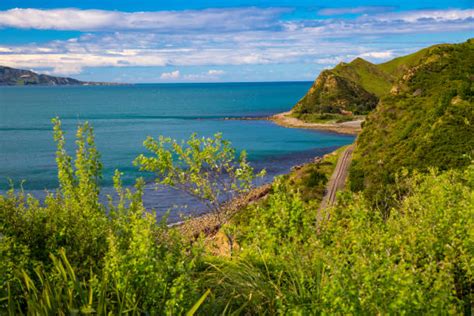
(418, 260)
(72, 254)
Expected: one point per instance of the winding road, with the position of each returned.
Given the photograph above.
(336, 182)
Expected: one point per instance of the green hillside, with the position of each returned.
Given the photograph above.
(350, 87)
(19, 77)
(333, 93)
(367, 75)
(397, 66)
(426, 121)
(356, 86)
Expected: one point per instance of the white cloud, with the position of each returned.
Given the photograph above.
(209, 76)
(99, 20)
(355, 10)
(214, 72)
(65, 70)
(423, 15)
(196, 38)
(173, 75)
(378, 55)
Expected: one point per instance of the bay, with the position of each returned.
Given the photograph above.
(123, 116)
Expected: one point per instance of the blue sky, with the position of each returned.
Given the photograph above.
(218, 41)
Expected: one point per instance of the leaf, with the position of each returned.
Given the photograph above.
(198, 303)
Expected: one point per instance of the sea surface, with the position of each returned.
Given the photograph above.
(123, 116)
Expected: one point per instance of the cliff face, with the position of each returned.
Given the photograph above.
(16, 77)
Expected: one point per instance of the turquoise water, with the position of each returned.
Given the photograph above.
(123, 116)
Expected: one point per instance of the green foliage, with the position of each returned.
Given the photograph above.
(74, 254)
(61, 221)
(205, 168)
(428, 122)
(310, 180)
(368, 75)
(418, 260)
(323, 117)
(336, 94)
(119, 260)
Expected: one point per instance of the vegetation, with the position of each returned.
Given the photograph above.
(72, 254)
(75, 254)
(206, 169)
(427, 121)
(358, 86)
(19, 77)
(324, 117)
(416, 261)
(333, 93)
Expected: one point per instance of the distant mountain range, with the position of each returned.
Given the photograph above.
(20, 77)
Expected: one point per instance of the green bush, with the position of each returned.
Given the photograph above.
(72, 254)
(416, 261)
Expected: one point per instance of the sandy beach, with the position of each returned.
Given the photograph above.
(284, 119)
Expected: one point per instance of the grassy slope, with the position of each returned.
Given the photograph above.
(333, 93)
(366, 74)
(308, 181)
(397, 66)
(428, 122)
(354, 87)
(359, 86)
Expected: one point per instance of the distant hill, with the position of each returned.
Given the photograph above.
(425, 119)
(20, 77)
(356, 86)
(349, 87)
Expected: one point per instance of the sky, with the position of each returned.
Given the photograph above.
(152, 41)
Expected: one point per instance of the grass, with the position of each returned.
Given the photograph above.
(368, 75)
(325, 118)
(414, 130)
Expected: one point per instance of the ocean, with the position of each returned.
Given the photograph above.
(123, 116)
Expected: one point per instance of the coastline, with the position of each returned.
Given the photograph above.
(208, 223)
(284, 119)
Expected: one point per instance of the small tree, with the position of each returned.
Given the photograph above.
(205, 168)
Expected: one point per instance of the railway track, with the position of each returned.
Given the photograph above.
(336, 183)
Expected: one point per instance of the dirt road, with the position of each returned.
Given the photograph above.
(336, 182)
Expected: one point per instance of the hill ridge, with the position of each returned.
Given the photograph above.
(20, 77)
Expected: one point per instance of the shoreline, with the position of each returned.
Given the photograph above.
(284, 119)
(208, 224)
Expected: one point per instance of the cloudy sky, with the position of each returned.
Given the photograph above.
(214, 41)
